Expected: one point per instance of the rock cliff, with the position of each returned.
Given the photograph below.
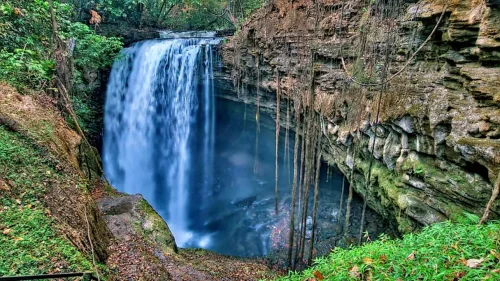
(436, 141)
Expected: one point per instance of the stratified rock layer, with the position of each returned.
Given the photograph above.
(436, 145)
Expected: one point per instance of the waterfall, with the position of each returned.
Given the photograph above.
(159, 126)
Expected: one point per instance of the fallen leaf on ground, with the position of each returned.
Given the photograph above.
(18, 12)
(495, 253)
(383, 259)
(411, 256)
(474, 263)
(369, 275)
(6, 231)
(318, 275)
(4, 186)
(367, 260)
(354, 272)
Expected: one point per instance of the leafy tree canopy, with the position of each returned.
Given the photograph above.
(172, 14)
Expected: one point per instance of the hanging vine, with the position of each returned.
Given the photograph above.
(297, 108)
(257, 119)
(315, 205)
(341, 204)
(351, 192)
(278, 95)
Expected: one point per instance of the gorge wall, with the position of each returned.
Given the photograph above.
(436, 143)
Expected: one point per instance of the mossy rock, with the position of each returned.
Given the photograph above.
(155, 227)
(131, 215)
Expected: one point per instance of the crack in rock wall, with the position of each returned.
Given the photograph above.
(437, 144)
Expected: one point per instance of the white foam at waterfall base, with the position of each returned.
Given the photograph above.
(151, 110)
(204, 241)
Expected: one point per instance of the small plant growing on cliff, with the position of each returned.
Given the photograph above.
(363, 73)
(418, 170)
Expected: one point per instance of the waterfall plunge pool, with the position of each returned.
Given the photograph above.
(204, 163)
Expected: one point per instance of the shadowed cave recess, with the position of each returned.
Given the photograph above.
(203, 154)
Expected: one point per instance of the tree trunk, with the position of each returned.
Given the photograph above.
(315, 208)
(494, 196)
(54, 22)
(294, 186)
(341, 204)
(278, 94)
(351, 191)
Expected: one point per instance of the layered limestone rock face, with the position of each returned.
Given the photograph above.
(436, 145)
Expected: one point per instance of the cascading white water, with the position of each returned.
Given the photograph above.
(159, 113)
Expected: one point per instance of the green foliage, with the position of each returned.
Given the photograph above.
(444, 251)
(174, 14)
(85, 110)
(25, 67)
(364, 73)
(23, 167)
(29, 243)
(92, 51)
(27, 52)
(211, 14)
(25, 42)
(466, 218)
(26, 47)
(419, 169)
(117, 10)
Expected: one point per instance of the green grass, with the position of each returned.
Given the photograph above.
(30, 245)
(24, 169)
(29, 242)
(439, 252)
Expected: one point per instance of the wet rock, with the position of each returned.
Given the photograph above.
(329, 232)
(392, 150)
(246, 202)
(130, 215)
(406, 123)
